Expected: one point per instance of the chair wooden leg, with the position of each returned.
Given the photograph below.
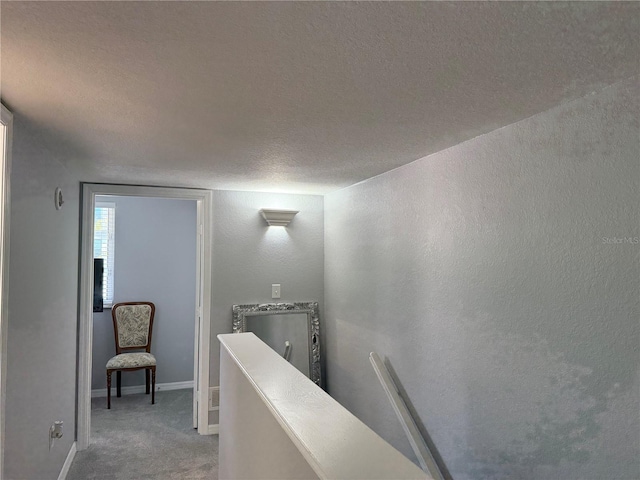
(108, 388)
(153, 385)
(119, 383)
(147, 371)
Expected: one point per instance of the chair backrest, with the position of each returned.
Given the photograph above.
(132, 325)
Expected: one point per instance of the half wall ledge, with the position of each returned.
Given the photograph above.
(276, 423)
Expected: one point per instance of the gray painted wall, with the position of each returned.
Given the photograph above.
(43, 294)
(485, 275)
(155, 260)
(249, 256)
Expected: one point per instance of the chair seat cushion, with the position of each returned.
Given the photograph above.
(131, 360)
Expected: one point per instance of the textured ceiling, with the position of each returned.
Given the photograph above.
(295, 96)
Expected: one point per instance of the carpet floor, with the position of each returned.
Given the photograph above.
(136, 441)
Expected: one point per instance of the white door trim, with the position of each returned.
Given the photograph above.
(85, 330)
(6, 118)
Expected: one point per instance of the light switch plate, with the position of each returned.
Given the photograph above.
(275, 290)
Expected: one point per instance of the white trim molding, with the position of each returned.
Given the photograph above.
(214, 429)
(6, 119)
(67, 463)
(204, 202)
(132, 390)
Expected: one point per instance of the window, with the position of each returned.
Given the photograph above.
(104, 245)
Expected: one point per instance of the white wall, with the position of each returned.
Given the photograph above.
(43, 292)
(155, 260)
(253, 445)
(484, 274)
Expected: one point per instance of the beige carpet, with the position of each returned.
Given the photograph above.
(136, 440)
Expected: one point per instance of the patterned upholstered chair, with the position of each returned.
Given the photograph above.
(132, 326)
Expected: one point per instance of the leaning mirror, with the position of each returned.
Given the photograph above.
(291, 329)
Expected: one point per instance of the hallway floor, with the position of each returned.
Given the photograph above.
(136, 440)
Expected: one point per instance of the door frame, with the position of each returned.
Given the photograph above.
(6, 118)
(204, 223)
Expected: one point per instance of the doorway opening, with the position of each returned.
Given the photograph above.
(202, 299)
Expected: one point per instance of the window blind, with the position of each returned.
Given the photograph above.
(104, 245)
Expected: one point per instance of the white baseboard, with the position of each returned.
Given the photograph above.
(214, 429)
(67, 462)
(102, 392)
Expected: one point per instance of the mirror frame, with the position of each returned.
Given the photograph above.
(241, 312)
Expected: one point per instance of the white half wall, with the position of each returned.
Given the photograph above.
(500, 278)
(275, 423)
